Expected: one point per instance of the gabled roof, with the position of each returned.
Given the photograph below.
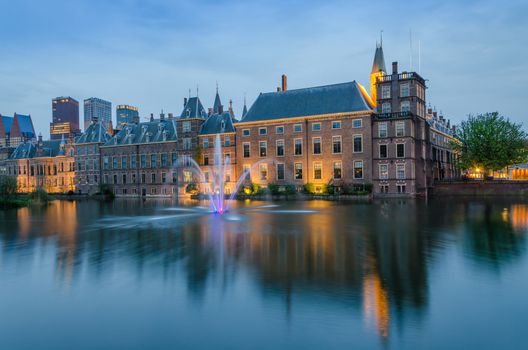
(8, 122)
(50, 148)
(329, 99)
(22, 126)
(217, 124)
(148, 132)
(244, 111)
(193, 109)
(96, 132)
(379, 61)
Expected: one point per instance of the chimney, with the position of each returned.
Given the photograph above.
(162, 116)
(151, 117)
(135, 120)
(171, 116)
(429, 110)
(394, 67)
(284, 82)
(184, 101)
(278, 89)
(435, 115)
(40, 138)
(209, 111)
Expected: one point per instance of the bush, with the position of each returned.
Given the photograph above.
(357, 189)
(311, 188)
(250, 189)
(40, 196)
(106, 190)
(191, 188)
(276, 189)
(8, 187)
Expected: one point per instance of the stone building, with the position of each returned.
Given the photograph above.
(312, 135)
(88, 167)
(16, 130)
(442, 156)
(43, 164)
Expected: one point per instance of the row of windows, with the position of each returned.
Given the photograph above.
(399, 129)
(405, 106)
(384, 171)
(153, 160)
(404, 90)
(41, 169)
(227, 142)
(316, 126)
(131, 178)
(384, 150)
(317, 171)
(298, 146)
(89, 149)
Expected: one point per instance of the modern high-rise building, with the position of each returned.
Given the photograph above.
(96, 109)
(126, 114)
(65, 120)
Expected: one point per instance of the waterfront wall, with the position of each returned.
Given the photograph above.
(481, 188)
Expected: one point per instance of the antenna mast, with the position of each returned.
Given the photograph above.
(410, 45)
(419, 57)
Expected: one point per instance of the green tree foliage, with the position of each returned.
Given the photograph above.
(8, 187)
(489, 141)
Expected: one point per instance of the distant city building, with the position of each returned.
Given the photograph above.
(16, 130)
(98, 110)
(65, 120)
(126, 114)
(43, 164)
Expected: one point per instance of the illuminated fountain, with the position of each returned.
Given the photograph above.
(215, 189)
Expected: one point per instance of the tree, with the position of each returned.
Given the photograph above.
(489, 141)
(8, 186)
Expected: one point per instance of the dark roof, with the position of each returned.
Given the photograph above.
(148, 132)
(217, 124)
(329, 99)
(379, 61)
(96, 132)
(8, 121)
(217, 103)
(50, 148)
(244, 111)
(25, 125)
(193, 109)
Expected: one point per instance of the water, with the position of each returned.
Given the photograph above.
(309, 275)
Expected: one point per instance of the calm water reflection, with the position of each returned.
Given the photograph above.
(394, 274)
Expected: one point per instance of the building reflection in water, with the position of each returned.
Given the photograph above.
(371, 259)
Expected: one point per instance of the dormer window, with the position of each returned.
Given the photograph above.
(222, 125)
(144, 128)
(160, 127)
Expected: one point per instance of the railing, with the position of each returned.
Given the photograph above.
(401, 76)
(394, 115)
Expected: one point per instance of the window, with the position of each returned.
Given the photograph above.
(143, 160)
(382, 130)
(400, 129)
(124, 179)
(384, 189)
(358, 143)
(227, 141)
(133, 161)
(115, 179)
(246, 132)
(400, 150)
(316, 142)
(187, 143)
(297, 128)
(246, 146)
(318, 171)
(263, 147)
(263, 172)
(400, 171)
(124, 161)
(386, 107)
(297, 147)
(383, 171)
(279, 130)
(153, 160)
(164, 159)
(298, 171)
(205, 143)
(385, 91)
(401, 188)
(357, 123)
(187, 176)
(406, 106)
(338, 173)
(263, 131)
(174, 159)
(247, 171)
(336, 144)
(336, 124)
(133, 178)
(186, 126)
(383, 151)
(153, 178)
(115, 163)
(143, 178)
(206, 159)
(280, 171)
(227, 159)
(280, 148)
(316, 126)
(358, 169)
(164, 177)
(404, 90)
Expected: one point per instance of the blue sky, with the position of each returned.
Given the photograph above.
(150, 53)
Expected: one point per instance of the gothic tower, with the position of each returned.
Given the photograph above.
(378, 69)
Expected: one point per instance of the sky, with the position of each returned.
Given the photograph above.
(150, 53)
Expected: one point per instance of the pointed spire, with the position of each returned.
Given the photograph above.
(217, 107)
(244, 111)
(379, 60)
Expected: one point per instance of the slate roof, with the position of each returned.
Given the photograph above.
(329, 99)
(217, 103)
(379, 61)
(217, 124)
(193, 109)
(50, 148)
(147, 132)
(25, 125)
(8, 121)
(96, 132)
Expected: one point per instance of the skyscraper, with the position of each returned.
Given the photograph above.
(98, 110)
(126, 114)
(65, 117)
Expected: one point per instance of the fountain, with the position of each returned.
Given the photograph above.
(215, 189)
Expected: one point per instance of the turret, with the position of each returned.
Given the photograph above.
(378, 69)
